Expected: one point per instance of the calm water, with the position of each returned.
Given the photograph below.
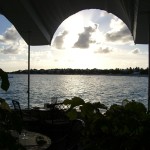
(106, 89)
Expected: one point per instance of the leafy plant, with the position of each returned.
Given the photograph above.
(5, 82)
(122, 127)
(83, 110)
(7, 120)
(88, 112)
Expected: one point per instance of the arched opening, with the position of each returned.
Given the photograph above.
(97, 38)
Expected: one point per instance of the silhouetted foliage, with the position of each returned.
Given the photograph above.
(121, 127)
(8, 120)
(5, 82)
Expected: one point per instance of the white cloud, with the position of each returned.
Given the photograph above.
(103, 13)
(116, 24)
(12, 42)
(84, 39)
(119, 32)
(104, 50)
(59, 40)
(136, 51)
(10, 35)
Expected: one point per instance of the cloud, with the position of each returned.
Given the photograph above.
(10, 36)
(136, 51)
(115, 23)
(104, 50)
(10, 50)
(119, 32)
(103, 13)
(12, 42)
(85, 39)
(122, 36)
(59, 40)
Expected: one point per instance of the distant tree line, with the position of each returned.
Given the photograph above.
(117, 71)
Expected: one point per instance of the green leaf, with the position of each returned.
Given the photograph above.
(72, 114)
(5, 82)
(136, 108)
(67, 102)
(76, 101)
(87, 109)
(99, 105)
(4, 105)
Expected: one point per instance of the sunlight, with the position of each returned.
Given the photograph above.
(74, 24)
(81, 58)
(69, 40)
(98, 37)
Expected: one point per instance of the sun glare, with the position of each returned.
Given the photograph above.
(74, 23)
(69, 40)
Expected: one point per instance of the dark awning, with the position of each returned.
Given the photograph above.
(143, 21)
(41, 18)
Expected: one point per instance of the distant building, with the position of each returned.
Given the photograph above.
(136, 73)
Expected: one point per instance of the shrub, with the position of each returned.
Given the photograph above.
(122, 127)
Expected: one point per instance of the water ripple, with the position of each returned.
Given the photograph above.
(106, 89)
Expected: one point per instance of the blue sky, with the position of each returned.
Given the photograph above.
(88, 39)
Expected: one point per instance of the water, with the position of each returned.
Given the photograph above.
(106, 89)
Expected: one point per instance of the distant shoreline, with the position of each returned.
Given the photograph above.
(116, 72)
(84, 74)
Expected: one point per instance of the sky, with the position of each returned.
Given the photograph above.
(88, 39)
